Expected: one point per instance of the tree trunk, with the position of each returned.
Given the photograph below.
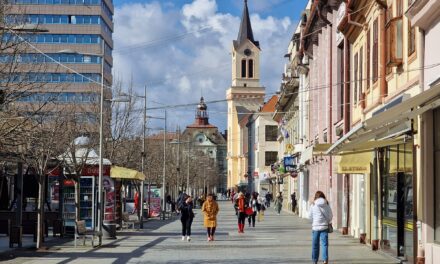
(40, 212)
(77, 198)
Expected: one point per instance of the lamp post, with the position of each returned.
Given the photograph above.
(164, 161)
(100, 213)
(141, 211)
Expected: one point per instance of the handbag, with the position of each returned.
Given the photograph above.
(249, 211)
(330, 226)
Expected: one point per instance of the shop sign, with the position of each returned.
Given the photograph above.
(93, 170)
(256, 174)
(289, 164)
(69, 183)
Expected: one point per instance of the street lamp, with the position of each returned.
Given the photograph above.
(141, 211)
(164, 160)
(101, 128)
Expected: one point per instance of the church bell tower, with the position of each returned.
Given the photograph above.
(244, 96)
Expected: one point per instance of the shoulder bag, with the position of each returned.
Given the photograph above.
(330, 226)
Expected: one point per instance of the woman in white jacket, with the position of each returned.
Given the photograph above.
(321, 215)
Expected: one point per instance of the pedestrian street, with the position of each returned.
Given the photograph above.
(276, 239)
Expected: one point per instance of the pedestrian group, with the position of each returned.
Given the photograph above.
(252, 207)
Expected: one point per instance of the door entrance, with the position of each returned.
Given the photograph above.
(397, 201)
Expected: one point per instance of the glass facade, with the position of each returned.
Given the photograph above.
(79, 98)
(106, 9)
(53, 78)
(40, 58)
(59, 20)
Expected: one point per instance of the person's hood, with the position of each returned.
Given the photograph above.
(320, 202)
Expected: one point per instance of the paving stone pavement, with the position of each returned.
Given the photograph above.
(277, 239)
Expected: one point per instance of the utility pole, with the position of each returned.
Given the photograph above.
(178, 161)
(187, 172)
(141, 211)
(164, 208)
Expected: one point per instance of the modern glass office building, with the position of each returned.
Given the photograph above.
(79, 35)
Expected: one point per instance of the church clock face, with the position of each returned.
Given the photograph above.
(247, 52)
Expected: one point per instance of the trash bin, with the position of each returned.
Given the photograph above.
(109, 230)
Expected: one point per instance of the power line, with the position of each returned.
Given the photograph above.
(131, 48)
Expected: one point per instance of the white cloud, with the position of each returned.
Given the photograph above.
(180, 66)
(184, 84)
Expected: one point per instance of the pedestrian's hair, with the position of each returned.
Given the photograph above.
(319, 194)
(210, 194)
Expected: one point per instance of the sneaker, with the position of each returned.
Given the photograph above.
(183, 238)
(188, 239)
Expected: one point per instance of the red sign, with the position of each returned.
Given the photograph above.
(93, 170)
(69, 183)
(256, 174)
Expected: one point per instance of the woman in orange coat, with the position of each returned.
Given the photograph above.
(210, 210)
(240, 205)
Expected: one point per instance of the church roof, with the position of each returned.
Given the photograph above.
(245, 32)
(269, 106)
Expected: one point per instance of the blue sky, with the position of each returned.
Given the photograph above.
(181, 49)
(277, 8)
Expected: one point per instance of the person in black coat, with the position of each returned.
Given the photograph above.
(187, 215)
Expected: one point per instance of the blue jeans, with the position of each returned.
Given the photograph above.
(323, 236)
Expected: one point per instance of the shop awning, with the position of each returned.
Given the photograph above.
(392, 122)
(125, 173)
(354, 163)
(317, 149)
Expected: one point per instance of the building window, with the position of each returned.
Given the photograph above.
(271, 133)
(243, 69)
(411, 39)
(270, 157)
(394, 33)
(368, 59)
(340, 95)
(355, 78)
(375, 50)
(251, 68)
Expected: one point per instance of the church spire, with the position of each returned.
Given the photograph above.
(245, 31)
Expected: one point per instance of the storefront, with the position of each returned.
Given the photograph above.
(396, 165)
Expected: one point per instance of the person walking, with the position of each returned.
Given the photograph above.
(321, 216)
(255, 209)
(210, 210)
(240, 206)
(294, 202)
(279, 203)
(187, 216)
(262, 207)
(268, 199)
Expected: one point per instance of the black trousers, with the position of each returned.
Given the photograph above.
(241, 217)
(186, 225)
(252, 218)
(210, 231)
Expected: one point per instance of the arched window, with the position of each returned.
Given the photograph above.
(251, 69)
(243, 69)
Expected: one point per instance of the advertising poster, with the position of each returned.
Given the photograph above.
(154, 202)
(110, 195)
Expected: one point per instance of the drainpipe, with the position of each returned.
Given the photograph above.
(348, 14)
(346, 126)
(330, 125)
(417, 187)
(382, 62)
